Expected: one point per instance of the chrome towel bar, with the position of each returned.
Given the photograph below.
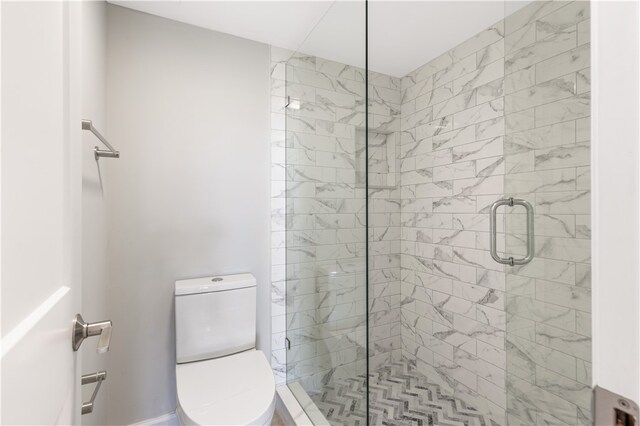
(493, 231)
(97, 153)
(99, 377)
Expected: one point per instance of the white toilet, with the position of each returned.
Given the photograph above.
(221, 378)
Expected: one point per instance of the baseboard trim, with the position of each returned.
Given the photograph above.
(169, 419)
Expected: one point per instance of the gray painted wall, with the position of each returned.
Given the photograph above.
(189, 110)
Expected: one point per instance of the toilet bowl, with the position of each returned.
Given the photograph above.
(234, 390)
(221, 379)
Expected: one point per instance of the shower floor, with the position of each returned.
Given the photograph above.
(399, 396)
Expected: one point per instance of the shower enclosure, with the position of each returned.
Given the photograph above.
(390, 306)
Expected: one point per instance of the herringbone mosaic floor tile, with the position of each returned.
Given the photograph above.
(399, 396)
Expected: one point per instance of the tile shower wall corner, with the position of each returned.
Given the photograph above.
(385, 343)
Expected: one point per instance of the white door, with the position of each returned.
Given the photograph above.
(40, 177)
(615, 204)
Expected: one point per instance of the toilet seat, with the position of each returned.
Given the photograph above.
(237, 389)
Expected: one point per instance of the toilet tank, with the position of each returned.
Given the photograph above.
(215, 316)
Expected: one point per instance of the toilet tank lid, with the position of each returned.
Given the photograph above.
(214, 283)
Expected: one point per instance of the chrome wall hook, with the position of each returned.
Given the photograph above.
(97, 153)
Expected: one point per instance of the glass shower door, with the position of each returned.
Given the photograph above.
(325, 223)
(547, 164)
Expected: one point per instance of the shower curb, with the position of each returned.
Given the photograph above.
(292, 411)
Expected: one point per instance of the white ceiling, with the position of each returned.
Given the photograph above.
(402, 34)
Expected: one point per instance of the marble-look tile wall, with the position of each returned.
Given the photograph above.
(503, 114)
(452, 169)
(319, 200)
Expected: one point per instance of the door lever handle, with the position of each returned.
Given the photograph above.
(105, 338)
(82, 330)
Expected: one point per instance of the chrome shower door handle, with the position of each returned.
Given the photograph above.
(493, 213)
